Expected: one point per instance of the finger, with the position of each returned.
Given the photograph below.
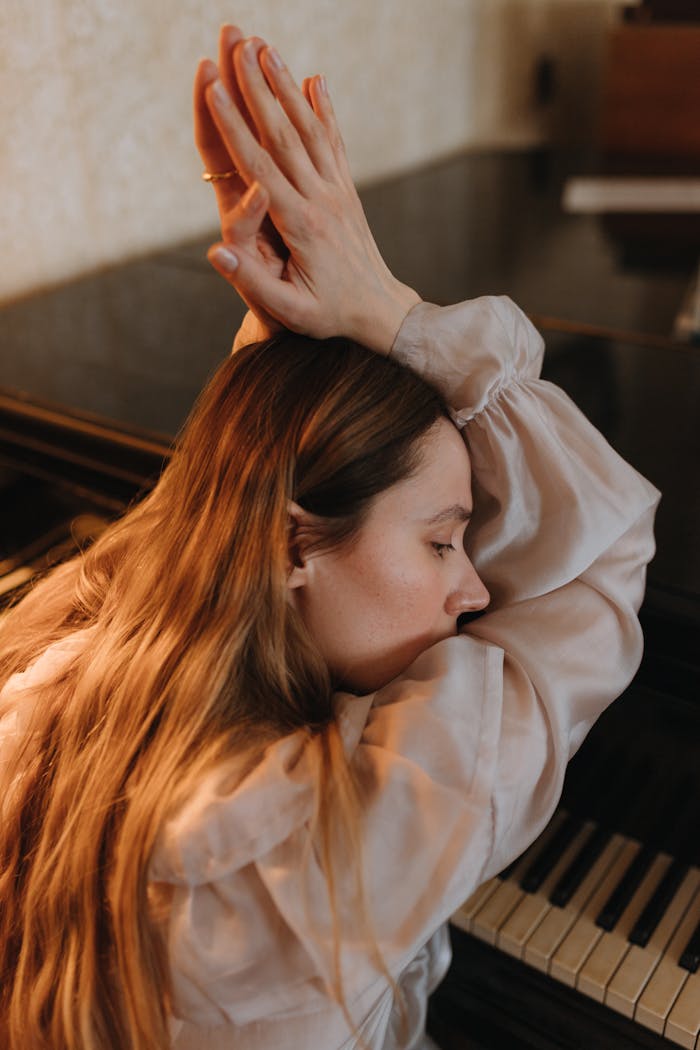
(323, 108)
(272, 295)
(311, 131)
(229, 37)
(212, 148)
(277, 134)
(253, 162)
(242, 230)
(243, 223)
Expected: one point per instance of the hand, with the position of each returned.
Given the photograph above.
(334, 281)
(261, 238)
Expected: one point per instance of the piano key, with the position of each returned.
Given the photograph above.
(666, 982)
(690, 957)
(623, 893)
(681, 829)
(655, 910)
(465, 913)
(521, 923)
(580, 866)
(558, 921)
(683, 1023)
(549, 855)
(490, 917)
(507, 872)
(584, 934)
(625, 988)
(599, 967)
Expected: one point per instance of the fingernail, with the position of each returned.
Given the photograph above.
(323, 85)
(249, 51)
(225, 258)
(221, 96)
(275, 58)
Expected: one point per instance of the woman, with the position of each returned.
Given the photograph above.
(251, 763)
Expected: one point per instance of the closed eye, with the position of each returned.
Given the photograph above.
(442, 548)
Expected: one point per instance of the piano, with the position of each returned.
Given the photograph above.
(590, 939)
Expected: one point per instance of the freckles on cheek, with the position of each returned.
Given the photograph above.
(398, 591)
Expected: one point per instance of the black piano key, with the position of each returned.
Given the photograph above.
(507, 872)
(543, 863)
(580, 866)
(677, 821)
(690, 956)
(658, 903)
(622, 894)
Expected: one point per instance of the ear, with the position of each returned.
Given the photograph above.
(299, 522)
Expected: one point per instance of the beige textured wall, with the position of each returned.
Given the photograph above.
(96, 160)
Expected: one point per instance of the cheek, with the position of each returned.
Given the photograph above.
(403, 593)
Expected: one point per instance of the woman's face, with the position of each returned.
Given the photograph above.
(374, 605)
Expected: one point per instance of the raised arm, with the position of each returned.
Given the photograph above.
(561, 536)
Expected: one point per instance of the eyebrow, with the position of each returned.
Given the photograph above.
(454, 513)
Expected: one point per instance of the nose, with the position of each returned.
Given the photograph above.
(470, 595)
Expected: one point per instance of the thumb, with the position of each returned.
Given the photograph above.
(242, 222)
(257, 286)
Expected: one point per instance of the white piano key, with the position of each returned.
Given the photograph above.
(598, 969)
(524, 920)
(683, 1023)
(465, 913)
(625, 989)
(490, 917)
(558, 921)
(666, 982)
(584, 934)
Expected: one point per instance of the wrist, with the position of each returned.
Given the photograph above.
(383, 314)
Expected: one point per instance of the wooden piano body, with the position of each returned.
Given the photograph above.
(98, 376)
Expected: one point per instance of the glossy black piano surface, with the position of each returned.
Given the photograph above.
(97, 377)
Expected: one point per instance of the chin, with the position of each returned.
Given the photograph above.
(362, 684)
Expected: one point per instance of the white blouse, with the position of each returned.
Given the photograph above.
(463, 755)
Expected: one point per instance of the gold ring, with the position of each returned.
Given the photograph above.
(216, 176)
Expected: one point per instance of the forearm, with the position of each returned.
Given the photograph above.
(561, 535)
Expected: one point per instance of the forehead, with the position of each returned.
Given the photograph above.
(443, 478)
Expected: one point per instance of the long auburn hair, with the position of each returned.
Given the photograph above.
(195, 658)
